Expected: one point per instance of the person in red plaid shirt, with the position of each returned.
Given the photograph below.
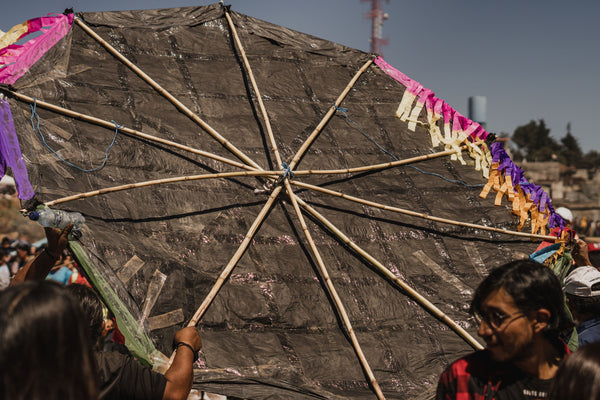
(521, 315)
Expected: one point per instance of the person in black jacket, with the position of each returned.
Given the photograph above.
(120, 376)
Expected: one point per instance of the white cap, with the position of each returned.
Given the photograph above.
(565, 213)
(580, 282)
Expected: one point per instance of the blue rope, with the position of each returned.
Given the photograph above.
(344, 111)
(287, 171)
(443, 177)
(36, 128)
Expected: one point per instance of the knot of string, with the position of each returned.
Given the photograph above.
(35, 124)
(287, 172)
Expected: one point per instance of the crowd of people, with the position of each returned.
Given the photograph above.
(15, 254)
(587, 226)
(541, 334)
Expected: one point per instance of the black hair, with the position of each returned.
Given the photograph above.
(578, 378)
(45, 350)
(24, 246)
(584, 305)
(595, 258)
(92, 305)
(532, 286)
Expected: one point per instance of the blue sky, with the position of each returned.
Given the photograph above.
(531, 59)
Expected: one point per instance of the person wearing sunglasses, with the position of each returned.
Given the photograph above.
(520, 313)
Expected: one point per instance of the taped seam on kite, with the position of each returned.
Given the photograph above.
(439, 271)
(16, 59)
(165, 320)
(476, 259)
(130, 268)
(154, 288)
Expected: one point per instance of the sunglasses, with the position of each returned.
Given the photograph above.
(496, 319)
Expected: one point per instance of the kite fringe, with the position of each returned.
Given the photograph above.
(529, 201)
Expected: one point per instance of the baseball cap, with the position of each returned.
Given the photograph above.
(565, 213)
(593, 247)
(583, 282)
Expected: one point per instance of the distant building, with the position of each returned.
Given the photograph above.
(478, 110)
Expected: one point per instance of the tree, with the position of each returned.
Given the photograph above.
(535, 143)
(591, 160)
(571, 151)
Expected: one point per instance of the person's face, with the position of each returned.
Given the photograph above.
(21, 253)
(508, 333)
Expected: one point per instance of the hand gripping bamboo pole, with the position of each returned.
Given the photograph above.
(403, 285)
(263, 110)
(180, 106)
(420, 215)
(336, 298)
(132, 132)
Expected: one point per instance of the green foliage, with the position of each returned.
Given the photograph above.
(571, 153)
(591, 160)
(534, 143)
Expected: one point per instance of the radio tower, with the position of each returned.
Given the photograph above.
(377, 17)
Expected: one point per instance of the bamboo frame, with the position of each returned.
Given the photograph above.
(412, 293)
(132, 132)
(328, 115)
(263, 110)
(376, 167)
(254, 168)
(231, 264)
(179, 105)
(236, 257)
(338, 302)
(252, 172)
(419, 215)
(113, 189)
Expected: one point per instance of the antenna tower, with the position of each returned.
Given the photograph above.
(377, 16)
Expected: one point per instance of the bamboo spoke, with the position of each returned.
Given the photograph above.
(328, 115)
(132, 132)
(236, 257)
(337, 300)
(113, 189)
(403, 285)
(419, 215)
(232, 262)
(179, 105)
(375, 167)
(263, 110)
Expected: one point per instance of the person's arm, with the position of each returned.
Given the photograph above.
(180, 374)
(580, 254)
(38, 268)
